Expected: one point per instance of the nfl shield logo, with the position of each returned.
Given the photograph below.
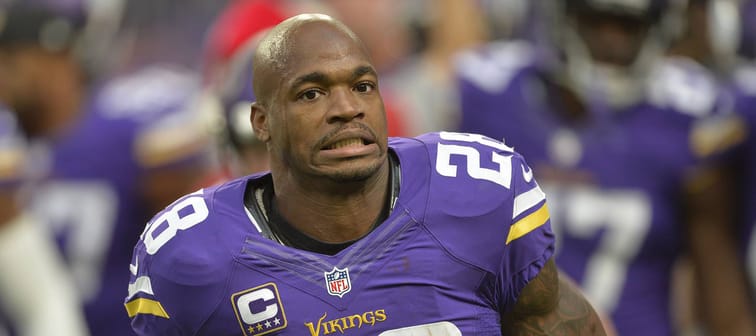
(337, 281)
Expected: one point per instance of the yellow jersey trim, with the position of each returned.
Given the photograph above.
(529, 223)
(145, 306)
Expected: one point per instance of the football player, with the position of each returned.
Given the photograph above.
(33, 271)
(614, 131)
(352, 232)
(720, 35)
(736, 61)
(103, 154)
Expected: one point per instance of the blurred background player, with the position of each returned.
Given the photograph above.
(33, 271)
(719, 35)
(729, 49)
(613, 128)
(107, 148)
(723, 37)
(744, 83)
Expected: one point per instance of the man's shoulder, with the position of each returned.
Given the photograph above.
(199, 229)
(153, 110)
(475, 188)
(686, 88)
(469, 160)
(145, 94)
(493, 68)
(186, 254)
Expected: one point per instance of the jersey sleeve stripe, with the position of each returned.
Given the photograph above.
(145, 306)
(529, 223)
(141, 285)
(715, 137)
(527, 200)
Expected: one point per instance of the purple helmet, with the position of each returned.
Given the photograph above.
(235, 95)
(230, 48)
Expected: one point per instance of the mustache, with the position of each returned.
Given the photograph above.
(351, 126)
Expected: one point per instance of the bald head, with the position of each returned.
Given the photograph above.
(289, 41)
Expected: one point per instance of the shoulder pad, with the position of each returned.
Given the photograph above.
(147, 93)
(685, 86)
(493, 67)
(181, 251)
(480, 190)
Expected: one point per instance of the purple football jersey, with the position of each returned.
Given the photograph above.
(469, 230)
(88, 184)
(612, 179)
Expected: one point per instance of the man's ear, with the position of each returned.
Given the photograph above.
(259, 121)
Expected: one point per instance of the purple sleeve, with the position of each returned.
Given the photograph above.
(484, 78)
(477, 109)
(530, 241)
(178, 253)
(506, 221)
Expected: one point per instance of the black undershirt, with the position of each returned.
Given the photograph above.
(290, 236)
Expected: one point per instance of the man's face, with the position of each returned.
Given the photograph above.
(327, 117)
(18, 78)
(41, 87)
(611, 39)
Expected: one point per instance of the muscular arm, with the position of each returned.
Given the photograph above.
(550, 305)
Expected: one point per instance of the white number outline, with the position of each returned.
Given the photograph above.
(174, 221)
(86, 211)
(501, 176)
(626, 217)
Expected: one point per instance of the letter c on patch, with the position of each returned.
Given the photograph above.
(244, 302)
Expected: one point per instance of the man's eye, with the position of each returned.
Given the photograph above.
(310, 95)
(364, 87)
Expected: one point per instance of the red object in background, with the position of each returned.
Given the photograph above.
(394, 120)
(238, 22)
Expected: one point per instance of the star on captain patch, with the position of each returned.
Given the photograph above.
(337, 281)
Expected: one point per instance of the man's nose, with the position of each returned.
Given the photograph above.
(345, 105)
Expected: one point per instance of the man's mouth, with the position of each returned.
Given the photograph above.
(346, 143)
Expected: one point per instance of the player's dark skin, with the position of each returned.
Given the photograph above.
(316, 87)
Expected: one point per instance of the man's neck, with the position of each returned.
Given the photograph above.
(339, 213)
